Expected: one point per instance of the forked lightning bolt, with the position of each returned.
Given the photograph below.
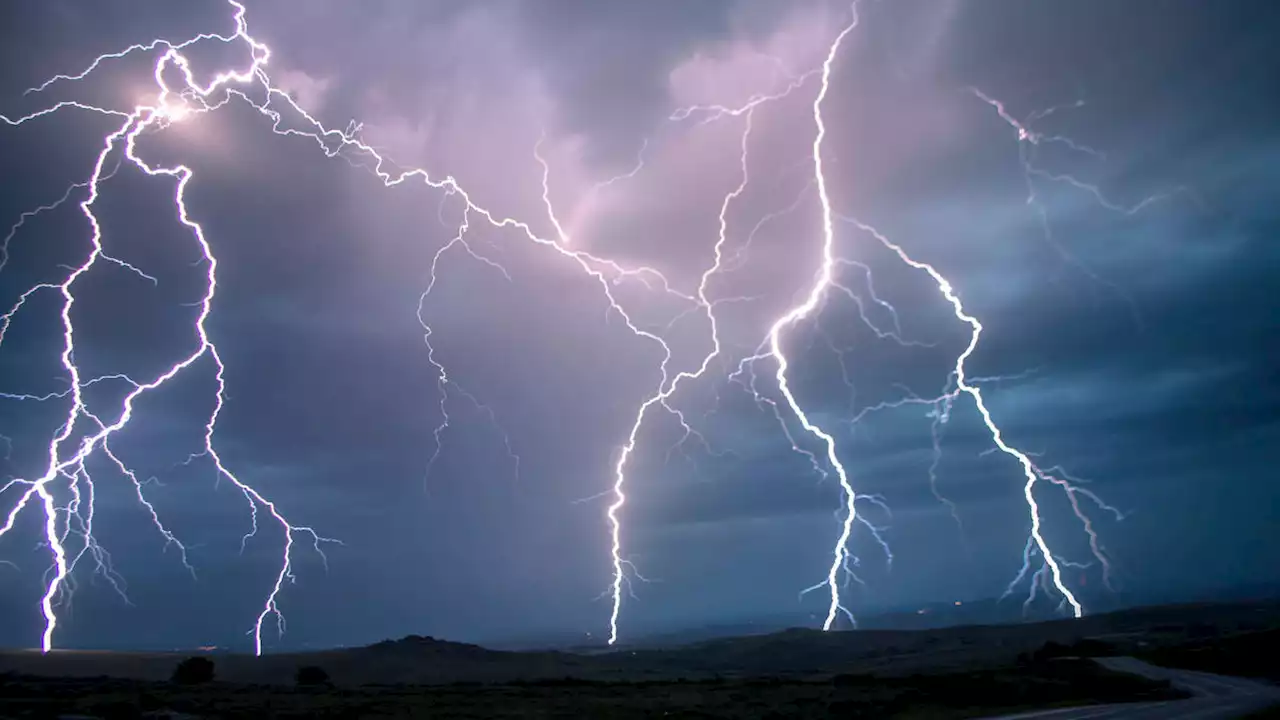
(194, 99)
(171, 106)
(69, 463)
(85, 431)
(667, 387)
(842, 560)
(1030, 471)
(1051, 570)
(826, 273)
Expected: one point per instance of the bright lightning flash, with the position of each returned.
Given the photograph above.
(961, 382)
(73, 443)
(803, 310)
(180, 105)
(68, 525)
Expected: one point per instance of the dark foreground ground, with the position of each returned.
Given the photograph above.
(950, 695)
(1141, 632)
(1247, 654)
(956, 672)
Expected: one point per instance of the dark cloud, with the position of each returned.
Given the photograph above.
(608, 62)
(1136, 346)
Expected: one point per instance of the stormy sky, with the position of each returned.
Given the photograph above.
(1125, 287)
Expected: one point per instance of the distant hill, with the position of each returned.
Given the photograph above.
(788, 653)
(939, 615)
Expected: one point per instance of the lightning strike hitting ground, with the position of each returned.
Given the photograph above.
(843, 561)
(826, 272)
(171, 107)
(668, 385)
(193, 99)
(666, 388)
(70, 465)
(1029, 142)
(1031, 472)
(940, 406)
(84, 432)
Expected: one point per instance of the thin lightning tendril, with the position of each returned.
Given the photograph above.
(196, 99)
(1051, 571)
(443, 382)
(1030, 141)
(83, 433)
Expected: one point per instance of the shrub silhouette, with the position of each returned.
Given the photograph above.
(312, 676)
(1091, 647)
(193, 671)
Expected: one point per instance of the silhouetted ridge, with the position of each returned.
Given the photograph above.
(426, 643)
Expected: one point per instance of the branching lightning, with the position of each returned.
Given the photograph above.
(85, 432)
(840, 556)
(1030, 141)
(959, 383)
(193, 99)
(70, 464)
(443, 383)
(668, 386)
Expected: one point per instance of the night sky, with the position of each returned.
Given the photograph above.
(1136, 348)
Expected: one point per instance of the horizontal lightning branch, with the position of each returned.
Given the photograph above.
(63, 492)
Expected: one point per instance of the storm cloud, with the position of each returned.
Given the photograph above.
(1133, 348)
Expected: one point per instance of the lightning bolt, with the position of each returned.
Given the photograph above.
(68, 462)
(960, 382)
(702, 302)
(825, 281)
(667, 387)
(195, 99)
(724, 264)
(1031, 472)
(772, 347)
(68, 525)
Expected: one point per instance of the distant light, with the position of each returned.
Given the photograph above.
(922, 611)
(958, 603)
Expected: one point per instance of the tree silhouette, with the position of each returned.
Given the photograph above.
(312, 676)
(193, 671)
